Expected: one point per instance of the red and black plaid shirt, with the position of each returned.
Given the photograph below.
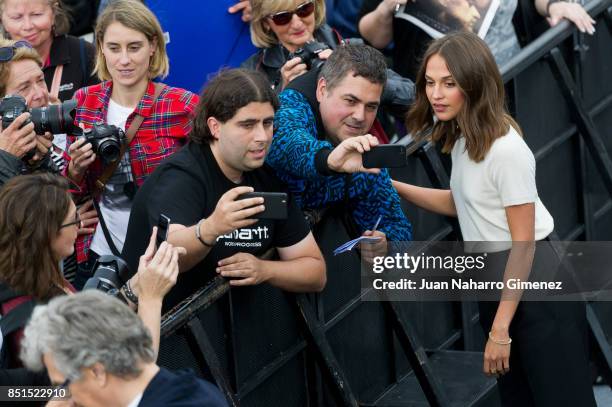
(163, 132)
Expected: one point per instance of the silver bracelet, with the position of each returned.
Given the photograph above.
(129, 293)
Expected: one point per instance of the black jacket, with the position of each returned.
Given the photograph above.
(11, 166)
(398, 94)
(78, 58)
(180, 389)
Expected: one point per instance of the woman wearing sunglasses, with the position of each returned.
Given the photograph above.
(281, 27)
(67, 61)
(156, 118)
(38, 228)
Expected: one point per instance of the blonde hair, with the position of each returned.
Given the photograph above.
(61, 19)
(263, 37)
(136, 16)
(21, 54)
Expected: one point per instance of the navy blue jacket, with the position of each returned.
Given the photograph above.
(180, 389)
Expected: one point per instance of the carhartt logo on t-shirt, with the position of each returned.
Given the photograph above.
(248, 237)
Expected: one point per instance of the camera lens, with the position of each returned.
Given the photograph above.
(105, 278)
(109, 151)
(56, 119)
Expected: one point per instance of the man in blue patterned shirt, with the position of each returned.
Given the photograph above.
(321, 132)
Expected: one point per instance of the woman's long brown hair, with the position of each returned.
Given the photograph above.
(483, 117)
(32, 209)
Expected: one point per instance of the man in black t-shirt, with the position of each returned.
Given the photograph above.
(198, 187)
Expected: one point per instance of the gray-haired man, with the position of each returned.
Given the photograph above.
(97, 347)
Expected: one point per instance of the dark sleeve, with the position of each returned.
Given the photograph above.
(367, 7)
(294, 229)
(10, 166)
(252, 62)
(398, 94)
(90, 62)
(176, 194)
(46, 164)
(380, 199)
(23, 377)
(295, 149)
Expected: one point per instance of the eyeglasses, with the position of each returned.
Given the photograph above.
(7, 53)
(302, 11)
(77, 221)
(65, 384)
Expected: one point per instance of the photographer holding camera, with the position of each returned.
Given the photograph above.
(21, 149)
(155, 118)
(294, 41)
(31, 248)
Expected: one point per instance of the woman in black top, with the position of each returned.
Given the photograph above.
(67, 61)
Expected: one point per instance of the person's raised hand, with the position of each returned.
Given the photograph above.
(232, 213)
(348, 155)
(43, 146)
(19, 138)
(245, 7)
(89, 217)
(375, 249)
(157, 270)
(81, 157)
(291, 70)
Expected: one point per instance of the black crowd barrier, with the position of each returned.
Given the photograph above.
(264, 347)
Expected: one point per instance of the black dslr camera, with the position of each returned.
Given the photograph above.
(56, 119)
(106, 141)
(309, 54)
(109, 274)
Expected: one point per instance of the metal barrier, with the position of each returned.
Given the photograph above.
(266, 347)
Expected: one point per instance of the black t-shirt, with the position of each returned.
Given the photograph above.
(410, 42)
(186, 188)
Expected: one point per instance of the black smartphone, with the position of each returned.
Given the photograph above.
(385, 156)
(275, 203)
(163, 224)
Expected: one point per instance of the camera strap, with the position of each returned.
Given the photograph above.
(108, 171)
(107, 235)
(130, 133)
(57, 79)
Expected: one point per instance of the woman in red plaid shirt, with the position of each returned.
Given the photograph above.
(130, 53)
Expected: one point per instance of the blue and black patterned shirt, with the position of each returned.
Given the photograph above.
(293, 154)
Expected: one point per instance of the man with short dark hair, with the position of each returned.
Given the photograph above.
(199, 189)
(98, 348)
(321, 132)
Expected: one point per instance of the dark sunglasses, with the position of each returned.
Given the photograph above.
(7, 53)
(77, 221)
(302, 11)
